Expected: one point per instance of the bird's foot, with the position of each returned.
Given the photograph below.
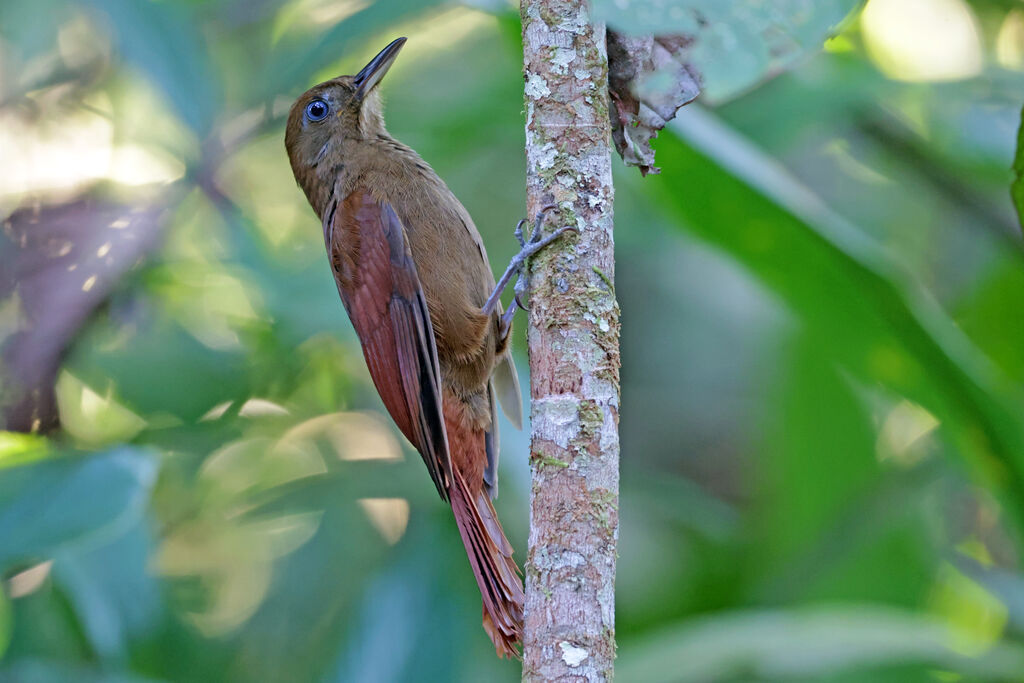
(518, 266)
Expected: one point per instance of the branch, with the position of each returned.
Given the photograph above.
(573, 340)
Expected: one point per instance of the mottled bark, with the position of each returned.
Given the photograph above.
(574, 350)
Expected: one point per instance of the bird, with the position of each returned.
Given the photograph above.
(413, 275)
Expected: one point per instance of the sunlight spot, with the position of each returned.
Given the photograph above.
(91, 417)
(303, 15)
(65, 249)
(135, 165)
(120, 224)
(840, 150)
(976, 616)
(17, 448)
(216, 412)
(49, 155)
(903, 428)
(29, 581)
(1010, 41)
(923, 40)
(89, 282)
(389, 516)
(72, 267)
(287, 533)
(104, 249)
(353, 436)
(260, 407)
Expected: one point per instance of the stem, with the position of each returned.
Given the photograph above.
(573, 341)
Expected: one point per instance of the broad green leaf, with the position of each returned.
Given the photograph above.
(55, 671)
(807, 645)
(6, 625)
(48, 505)
(112, 591)
(846, 290)
(736, 43)
(161, 39)
(298, 59)
(22, 30)
(1017, 188)
(17, 448)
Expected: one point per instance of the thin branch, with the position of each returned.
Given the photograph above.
(573, 339)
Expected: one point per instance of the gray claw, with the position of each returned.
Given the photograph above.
(518, 267)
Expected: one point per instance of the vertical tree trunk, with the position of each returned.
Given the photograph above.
(574, 350)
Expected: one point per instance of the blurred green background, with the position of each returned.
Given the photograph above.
(823, 351)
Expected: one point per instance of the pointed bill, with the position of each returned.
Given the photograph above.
(371, 74)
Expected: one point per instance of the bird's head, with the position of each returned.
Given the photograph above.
(343, 109)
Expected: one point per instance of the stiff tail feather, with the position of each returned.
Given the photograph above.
(490, 555)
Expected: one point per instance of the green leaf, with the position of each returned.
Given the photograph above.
(806, 645)
(296, 60)
(1017, 187)
(52, 671)
(738, 43)
(114, 595)
(48, 505)
(852, 298)
(6, 622)
(161, 40)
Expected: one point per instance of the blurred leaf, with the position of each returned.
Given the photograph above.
(20, 449)
(991, 316)
(734, 44)
(6, 622)
(1017, 188)
(92, 419)
(296, 60)
(113, 593)
(57, 264)
(846, 290)
(43, 671)
(48, 505)
(806, 645)
(162, 40)
(20, 25)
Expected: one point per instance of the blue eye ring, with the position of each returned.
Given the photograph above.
(317, 110)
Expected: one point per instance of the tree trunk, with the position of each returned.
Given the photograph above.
(573, 341)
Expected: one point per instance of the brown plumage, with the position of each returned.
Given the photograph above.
(413, 275)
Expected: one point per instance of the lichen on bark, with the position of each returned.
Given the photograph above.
(573, 340)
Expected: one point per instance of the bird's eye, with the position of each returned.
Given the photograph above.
(316, 110)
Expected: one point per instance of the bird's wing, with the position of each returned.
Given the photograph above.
(377, 280)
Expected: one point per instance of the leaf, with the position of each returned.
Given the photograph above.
(53, 671)
(647, 83)
(734, 45)
(853, 299)
(297, 60)
(6, 622)
(806, 644)
(57, 264)
(116, 598)
(48, 505)
(161, 39)
(1017, 187)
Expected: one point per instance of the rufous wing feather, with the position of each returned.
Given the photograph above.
(377, 280)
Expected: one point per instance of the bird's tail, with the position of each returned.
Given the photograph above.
(490, 555)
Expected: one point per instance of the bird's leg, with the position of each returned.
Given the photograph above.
(518, 266)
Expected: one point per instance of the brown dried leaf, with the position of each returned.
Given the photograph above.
(648, 82)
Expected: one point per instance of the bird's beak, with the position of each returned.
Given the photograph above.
(371, 74)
